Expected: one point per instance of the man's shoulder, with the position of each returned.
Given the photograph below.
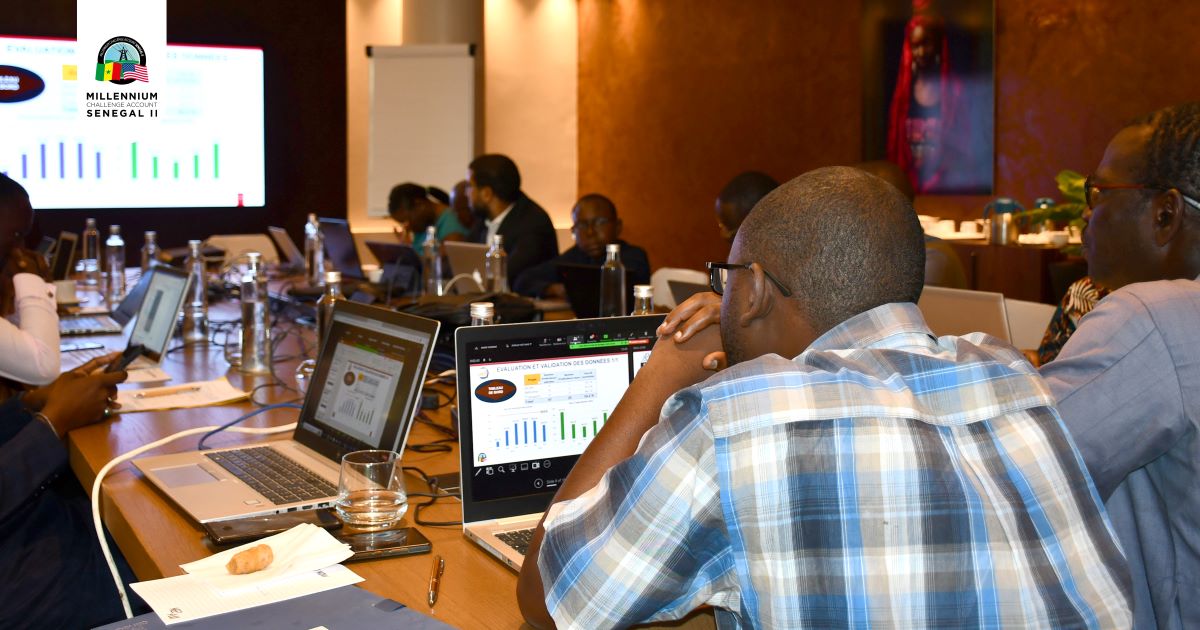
(1139, 307)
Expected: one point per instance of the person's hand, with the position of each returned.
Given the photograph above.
(402, 235)
(695, 314)
(80, 396)
(684, 363)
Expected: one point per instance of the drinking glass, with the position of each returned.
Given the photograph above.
(371, 493)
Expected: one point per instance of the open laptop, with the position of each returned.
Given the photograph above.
(112, 323)
(163, 293)
(340, 250)
(958, 312)
(287, 249)
(681, 291)
(63, 261)
(465, 258)
(364, 393)
(582, 283)
(531, 398)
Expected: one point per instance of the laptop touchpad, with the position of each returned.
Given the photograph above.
(189, 475)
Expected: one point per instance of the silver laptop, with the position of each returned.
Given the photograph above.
(112, 323)
(287, 248)
(163, 291)
(531, 398)
(465, 258)
(958, 312)
(364, 394)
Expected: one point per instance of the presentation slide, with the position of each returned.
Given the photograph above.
(208, 150)
(543, 409)
(358, 391)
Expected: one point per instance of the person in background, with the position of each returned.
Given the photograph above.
(28, 349)
(410, 206)
(943, 267)
(52, 571)
(494, 188)
(737, 199)
(594, 224)
(848, 469)
(1081, 297)
(1128, 380)
(460, 204)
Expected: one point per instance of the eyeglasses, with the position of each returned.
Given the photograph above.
(596, 224)
(718, 272)
(1091, 190)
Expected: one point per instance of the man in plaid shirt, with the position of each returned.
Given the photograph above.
(848, 470)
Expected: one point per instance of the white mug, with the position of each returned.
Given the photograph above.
(969, 227)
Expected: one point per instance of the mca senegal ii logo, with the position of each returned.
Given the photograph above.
(121, 61)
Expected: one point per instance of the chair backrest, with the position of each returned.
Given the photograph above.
(662, 279)
(958, 312)
(1027, 322)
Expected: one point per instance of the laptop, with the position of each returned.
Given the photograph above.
(681, 290)
(63, 261)
(112, 323)
(340, 250)
(465, 258)
(582, 283)
(531, 398)
(958, 312)
(388, 253)
(287, 249)
(164, 291)
(364, 394)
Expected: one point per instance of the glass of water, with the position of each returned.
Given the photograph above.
(371, 493)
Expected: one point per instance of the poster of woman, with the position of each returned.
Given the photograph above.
(929, 92)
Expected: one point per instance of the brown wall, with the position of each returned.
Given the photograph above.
(677, 96)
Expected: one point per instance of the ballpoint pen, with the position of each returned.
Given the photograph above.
(435, 579)
(168, 392)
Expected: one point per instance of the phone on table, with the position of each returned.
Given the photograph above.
(254, 527)
(128, 356)
(405, 541)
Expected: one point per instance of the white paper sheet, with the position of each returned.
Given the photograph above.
(188, 597)
(147, 375)
(301, 549)
(198, 394)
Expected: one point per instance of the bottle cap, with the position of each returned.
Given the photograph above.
(312, 217)
(253, 257)
(151, 234)
(498, 240)
(91, 222)
(431, 231)
(114, 229)
(643, 291)
(194, 243)
(482, 309)
(613, 248)
(333, 276)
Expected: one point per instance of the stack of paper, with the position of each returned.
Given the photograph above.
(199, 394)
(306, 562)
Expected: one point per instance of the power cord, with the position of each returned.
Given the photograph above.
(284, 405)
(435, 494)
(120, 459)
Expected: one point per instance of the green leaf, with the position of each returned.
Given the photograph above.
(1070, 184)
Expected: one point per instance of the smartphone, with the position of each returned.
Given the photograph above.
(254, 527)
(80, 345)
(393, 542)
(128, 356)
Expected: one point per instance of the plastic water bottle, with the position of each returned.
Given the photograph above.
(314, 251)
(643, 299)
(483, 314)
(431, 262)
(495, 267)
(195, 309)
(333, 293)
(89, 263)
(150, 251)
(114, 258)
(256, 318)
(612, 283)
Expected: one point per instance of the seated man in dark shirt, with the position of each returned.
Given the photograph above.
(594, 224)
(503, 209)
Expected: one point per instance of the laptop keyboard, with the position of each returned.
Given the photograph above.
(273, 475)
(89, 324)
(518, 539)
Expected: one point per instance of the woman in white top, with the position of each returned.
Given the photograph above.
(29, 332)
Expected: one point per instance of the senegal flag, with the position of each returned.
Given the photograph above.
(116, 71)
(104, 71)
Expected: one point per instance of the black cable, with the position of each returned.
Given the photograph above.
(434, 496)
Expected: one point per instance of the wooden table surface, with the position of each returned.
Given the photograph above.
(477, 591)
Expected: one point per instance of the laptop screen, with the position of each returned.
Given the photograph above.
(531, 399)
(159, 310)
(367, 382)
(339, 246)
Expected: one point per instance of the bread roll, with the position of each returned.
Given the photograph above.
(251, 560)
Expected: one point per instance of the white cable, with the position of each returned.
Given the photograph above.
(475, 277)
(112, 565)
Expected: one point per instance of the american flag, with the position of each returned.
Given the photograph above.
(134, 71)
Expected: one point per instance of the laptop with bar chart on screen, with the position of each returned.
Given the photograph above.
(532, 396)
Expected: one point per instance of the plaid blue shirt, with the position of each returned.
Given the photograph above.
(881, 478)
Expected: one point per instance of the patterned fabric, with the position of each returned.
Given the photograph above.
(1080, 299)
(881, 478)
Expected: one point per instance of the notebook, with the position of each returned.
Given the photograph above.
(465, 258)
(112, 323)
(158, 309)
(958, 312)
(364, 394)
(531, 398)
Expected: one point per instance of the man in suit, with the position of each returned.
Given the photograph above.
(494, 190)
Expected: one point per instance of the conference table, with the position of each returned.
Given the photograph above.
(477, 591)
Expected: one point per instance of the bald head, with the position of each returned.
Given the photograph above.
(842, 240)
